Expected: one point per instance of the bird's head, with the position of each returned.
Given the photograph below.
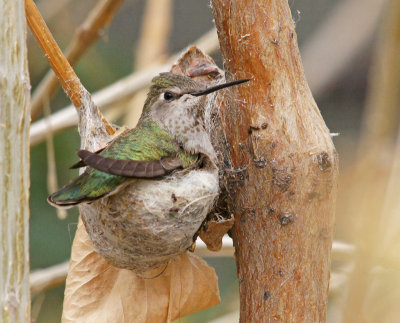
(170, 93)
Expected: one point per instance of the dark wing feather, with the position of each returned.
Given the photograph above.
(81, 163)
(130, 168)
(78, 164)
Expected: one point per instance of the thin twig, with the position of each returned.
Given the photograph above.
(57, 60)
(85, 36)
(63, 70)
(44, 279)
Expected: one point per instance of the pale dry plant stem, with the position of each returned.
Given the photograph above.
(14, 165)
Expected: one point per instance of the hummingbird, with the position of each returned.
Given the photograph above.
(170, 135)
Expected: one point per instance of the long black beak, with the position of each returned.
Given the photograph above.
(219, 87)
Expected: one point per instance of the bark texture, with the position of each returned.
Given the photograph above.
(14, 164)
(283, 190)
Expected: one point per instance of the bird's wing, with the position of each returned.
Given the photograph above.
(81, 163)
(130, 168)
(144, 152)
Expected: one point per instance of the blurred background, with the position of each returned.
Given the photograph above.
(351, 56)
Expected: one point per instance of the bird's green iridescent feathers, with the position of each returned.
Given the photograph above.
(146, 142)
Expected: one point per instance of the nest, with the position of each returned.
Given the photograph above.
(150, 222)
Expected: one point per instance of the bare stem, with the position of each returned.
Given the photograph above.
(14, 164)
(84, 37)
(63, 70)
(69, 80)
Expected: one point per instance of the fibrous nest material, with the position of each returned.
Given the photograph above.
(151, 221)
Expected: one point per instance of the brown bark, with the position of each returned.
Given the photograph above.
(283, 198)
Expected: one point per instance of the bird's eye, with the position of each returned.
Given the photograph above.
(168, 96)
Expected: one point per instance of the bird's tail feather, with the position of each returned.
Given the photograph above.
(80, 190)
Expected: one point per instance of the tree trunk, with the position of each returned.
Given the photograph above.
(14, 164)
(283, 194)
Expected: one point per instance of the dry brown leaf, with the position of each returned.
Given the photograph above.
(197, 65)
(98, 292)
(213, 231)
